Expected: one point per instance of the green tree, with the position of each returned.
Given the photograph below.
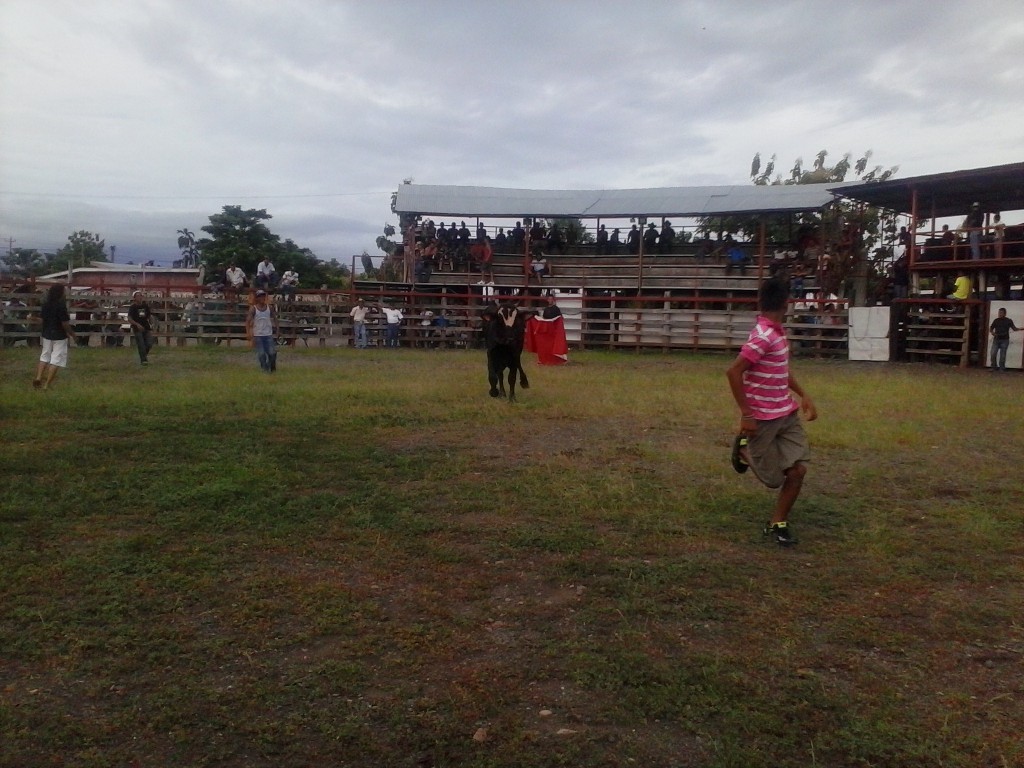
(238, 237)
(241, 237)
(27, 261)
(81, 249)
(188, 247)
(574, 232)
(313, 272)
(854, 266)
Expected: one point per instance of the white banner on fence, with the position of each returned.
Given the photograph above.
(869, 333)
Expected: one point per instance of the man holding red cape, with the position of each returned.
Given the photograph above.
(545, 335)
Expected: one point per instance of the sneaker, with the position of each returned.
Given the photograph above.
(780, 533)
(738, 444)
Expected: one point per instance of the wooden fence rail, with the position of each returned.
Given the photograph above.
(323, 319)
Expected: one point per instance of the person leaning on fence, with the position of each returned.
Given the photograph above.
(358, 315)
(261, 328)
(56, 332)
(1000, 330)
(140, 320)
(771, 438)
(394, 319)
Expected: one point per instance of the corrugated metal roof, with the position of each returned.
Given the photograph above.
(437, 200)
(998, 188)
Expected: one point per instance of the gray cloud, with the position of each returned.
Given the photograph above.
(133, 119)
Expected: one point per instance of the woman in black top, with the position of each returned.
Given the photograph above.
(56, 331)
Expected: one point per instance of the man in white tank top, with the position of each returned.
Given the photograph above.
(261, 328)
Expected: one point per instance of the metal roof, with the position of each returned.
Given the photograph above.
(436, 200)
(998, 188)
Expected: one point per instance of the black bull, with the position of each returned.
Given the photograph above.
(504, 330)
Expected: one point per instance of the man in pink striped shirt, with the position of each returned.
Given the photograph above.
(771, 437)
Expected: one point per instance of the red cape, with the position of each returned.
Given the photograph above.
(547, 339)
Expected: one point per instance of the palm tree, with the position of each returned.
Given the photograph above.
(187, 244)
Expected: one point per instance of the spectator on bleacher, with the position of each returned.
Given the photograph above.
(289, 282)
(501, 240)
(442, 234)
(538, 266)
(423, 267)
(903, 241)
(537, 233)
(481, 230)
(614, 243)
(430, 252)
(234, 281)
(429, 231)
(518, 238)
(633, 241)
(487, 259)
(464, 235)
(704, 249)
(807, 239)
(442, 330)
(556, 240)
(358, 315)
(736, 259)
(900, 278)
(961, 288)
(394, 319)
(997, 236)
(796, 279)
(266, 275)
(601, 247)
(973, 223)
(651, 239)
(667, 238)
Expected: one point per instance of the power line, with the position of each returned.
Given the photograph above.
(191, 197)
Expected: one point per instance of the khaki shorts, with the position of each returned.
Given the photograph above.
(55, 352)
(776, 446)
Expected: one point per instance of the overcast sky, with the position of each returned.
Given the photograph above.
(134, 119)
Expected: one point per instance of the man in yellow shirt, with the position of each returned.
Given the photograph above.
(961, 288)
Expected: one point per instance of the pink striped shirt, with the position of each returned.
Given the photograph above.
(766, 381)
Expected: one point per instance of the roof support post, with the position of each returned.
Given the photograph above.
(912, 259)
(761, 238)
(641, 220)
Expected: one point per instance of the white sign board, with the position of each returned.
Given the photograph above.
(869, 333)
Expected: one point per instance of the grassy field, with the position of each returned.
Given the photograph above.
(363, 560)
